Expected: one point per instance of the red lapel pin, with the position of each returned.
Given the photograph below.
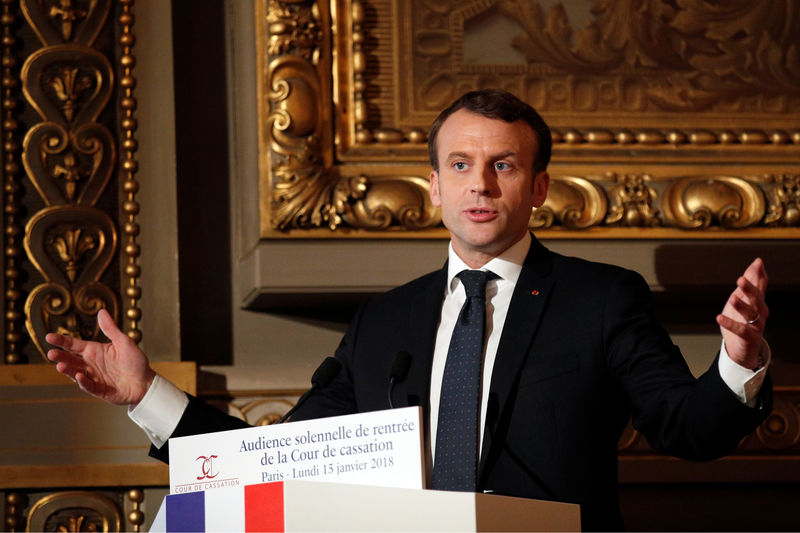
(535, 292)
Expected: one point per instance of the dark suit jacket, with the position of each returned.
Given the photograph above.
(580, 354)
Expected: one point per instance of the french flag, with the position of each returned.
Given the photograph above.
(248, 508)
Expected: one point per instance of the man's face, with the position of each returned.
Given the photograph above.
(485, 183)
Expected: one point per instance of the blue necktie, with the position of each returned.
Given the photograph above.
(456, 462)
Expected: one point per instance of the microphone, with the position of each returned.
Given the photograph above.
(398, 372)
(322, 377)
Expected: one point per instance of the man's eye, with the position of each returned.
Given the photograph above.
(501, 166)
(460, 165)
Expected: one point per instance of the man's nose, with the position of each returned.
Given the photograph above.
(481, 182)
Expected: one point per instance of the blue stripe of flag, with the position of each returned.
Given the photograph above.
(186, 512)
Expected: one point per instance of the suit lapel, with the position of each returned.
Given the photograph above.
(527, 306)
(426, 305)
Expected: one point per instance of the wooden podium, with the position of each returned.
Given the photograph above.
(319, 506)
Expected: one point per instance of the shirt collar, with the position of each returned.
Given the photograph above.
(507, 265)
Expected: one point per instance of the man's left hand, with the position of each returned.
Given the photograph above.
(744, 317)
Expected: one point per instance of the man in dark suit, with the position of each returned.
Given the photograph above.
(571, 348)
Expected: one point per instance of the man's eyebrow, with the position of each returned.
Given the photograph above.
(463, 155)
(457, 155)
(503, 155)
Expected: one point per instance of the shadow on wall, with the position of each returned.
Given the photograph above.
(719, 264)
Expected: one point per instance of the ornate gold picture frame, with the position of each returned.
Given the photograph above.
(668, 122)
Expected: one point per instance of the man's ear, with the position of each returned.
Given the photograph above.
(541, 182)
(433, 190)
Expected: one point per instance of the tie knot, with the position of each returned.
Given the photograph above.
(475, 282)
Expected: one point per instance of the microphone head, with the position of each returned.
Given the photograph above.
(400, 366)
(325, 373)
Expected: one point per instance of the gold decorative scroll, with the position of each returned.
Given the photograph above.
(572, 202)
(75, 511)
(638, 97)
(71, 247)
(699, 202)
(70, 158)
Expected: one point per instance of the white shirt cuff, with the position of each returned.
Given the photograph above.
(160, 410)
(744, 383)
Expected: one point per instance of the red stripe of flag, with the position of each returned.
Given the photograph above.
(263, 507)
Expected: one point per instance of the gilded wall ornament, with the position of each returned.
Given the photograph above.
(703, 201)
(708, 56)
(12, 176)
(68, 86)
(633, 202)
(66, 21)
(68, 14)
(572, 202)
(784, 200)
(129, 167)
(343, 127)
(781, 430)
(294, 26)
(68, 140)
(401, 202)
(70, 158)
(72, 246)
(75, 511)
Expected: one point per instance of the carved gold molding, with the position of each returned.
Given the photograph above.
(69, 155)
(15, 503)
(135, 516)
(348, 157)
(129, 166)
(74, 511)
(700, 201)
(572, 202)
(11, 204)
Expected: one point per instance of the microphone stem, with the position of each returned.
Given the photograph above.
(300, 402)
(391, 389)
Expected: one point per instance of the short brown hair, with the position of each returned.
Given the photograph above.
(502, 105)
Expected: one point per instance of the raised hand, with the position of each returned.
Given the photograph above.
(744, 317)
(117, 372)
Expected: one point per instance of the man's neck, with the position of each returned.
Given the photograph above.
(515, 253)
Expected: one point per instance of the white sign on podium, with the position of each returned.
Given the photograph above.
(380, 448)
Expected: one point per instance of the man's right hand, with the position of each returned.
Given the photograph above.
(117, 372)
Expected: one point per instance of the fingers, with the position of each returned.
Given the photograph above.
(744, 316)
(67, 363)
(749, 301)
(107, 325)
(74, 367)
(86, 383)
(747, 313)
(756, 274)
(750, 332)
(110, 329)
(66, 342)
